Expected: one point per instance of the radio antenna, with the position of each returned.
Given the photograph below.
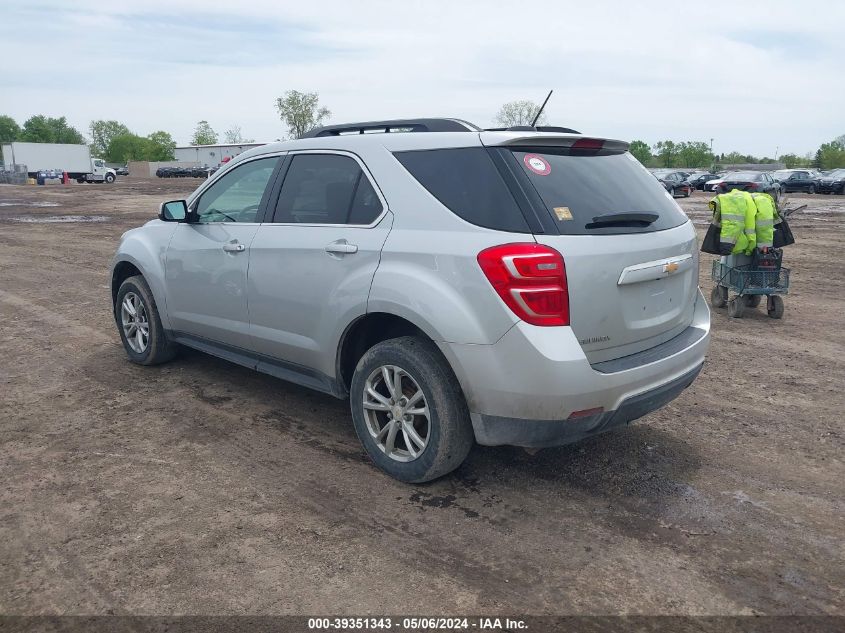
(540, 111)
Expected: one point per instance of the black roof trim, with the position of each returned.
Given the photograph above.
(412, 125)
(528, 128)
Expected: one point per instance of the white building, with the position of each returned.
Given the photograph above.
(210, 155)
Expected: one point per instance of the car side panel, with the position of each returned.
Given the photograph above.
(433, 280)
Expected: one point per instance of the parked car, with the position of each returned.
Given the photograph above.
(753, 181)
(833, 182)
(122, 171)
(797, 180)
(713, 185)
(699, 179)
(674, 182)
(467, 285)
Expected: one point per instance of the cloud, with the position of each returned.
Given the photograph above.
(753, 75)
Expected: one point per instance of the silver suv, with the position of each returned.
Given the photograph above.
(522, 287)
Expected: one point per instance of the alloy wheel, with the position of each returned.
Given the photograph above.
(133, 319)
(396, 413)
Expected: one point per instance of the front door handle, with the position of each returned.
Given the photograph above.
(234, 247)
(341, 247)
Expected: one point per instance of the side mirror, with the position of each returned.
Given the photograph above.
(173, 211)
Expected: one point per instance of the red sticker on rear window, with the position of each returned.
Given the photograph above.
(537, 164)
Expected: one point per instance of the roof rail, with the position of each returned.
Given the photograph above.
(528, 128)
(396, 125)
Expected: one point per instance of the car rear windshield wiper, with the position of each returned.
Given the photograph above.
(623, 219)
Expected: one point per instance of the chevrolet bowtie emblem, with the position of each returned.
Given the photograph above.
(670, 267)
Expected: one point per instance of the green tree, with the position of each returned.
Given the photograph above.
(160, 146)
(694, 154)
(518, 113)
(41, 129)
(9, 129)
(667, 152)
(791, 160)
(204, 134)
(830, 156)
(102, 132)
(233, 135)
(126, 147)
(641, 151)
(301, 111)
(735, 158)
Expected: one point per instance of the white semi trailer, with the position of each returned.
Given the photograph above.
(58, 157)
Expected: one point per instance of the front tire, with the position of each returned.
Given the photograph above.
(139, 324)
(109, 178)
(736, 306)
(774, 307)
(409, 411)
(812, 189)
(719, 297)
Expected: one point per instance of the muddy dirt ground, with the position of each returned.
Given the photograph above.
(199, 487)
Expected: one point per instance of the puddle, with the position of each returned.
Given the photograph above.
(16, 203)
(58, 219)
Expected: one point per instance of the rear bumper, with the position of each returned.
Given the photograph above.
(491, 430)
(523, 389)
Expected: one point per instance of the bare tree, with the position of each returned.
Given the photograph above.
(233, 135)
(519, 113)
(301, 111)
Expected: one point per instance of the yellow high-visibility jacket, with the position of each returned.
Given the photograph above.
(764, 222)
(735, 213)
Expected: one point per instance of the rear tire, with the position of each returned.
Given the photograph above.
(719, 297)
(736, 306)
(425, 379)
(752, 301)
(775, 307)
(154, 348)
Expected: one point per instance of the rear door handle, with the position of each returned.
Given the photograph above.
(341, 247)
(234, 247)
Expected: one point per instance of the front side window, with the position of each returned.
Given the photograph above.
(236, 196)
(326, 189)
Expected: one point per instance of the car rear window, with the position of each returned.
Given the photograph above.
(467, 182)
(577, 189)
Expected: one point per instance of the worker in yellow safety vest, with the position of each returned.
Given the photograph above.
(767, 217)
(735, 214)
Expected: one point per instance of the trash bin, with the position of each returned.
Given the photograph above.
(40, 179)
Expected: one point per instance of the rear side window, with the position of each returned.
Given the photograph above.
(326, 189)
(576, 189)
(466, 181)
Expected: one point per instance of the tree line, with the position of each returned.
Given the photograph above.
(697, 154)
(302, 112)
(110, 139)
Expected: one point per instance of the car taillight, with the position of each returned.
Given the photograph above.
(752, 185)
(530, 279)
(588, 143)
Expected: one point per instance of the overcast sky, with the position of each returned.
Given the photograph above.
(754, 76)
